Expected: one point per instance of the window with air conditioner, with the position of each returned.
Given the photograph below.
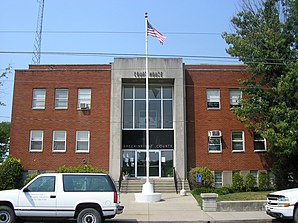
(214, 133)
(84, 98)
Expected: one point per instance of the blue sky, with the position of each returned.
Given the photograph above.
(111, 27)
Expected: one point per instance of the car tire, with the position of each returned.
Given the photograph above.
(7, 215)
(296, 215)
(89, 215)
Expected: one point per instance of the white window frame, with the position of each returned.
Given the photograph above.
(62, 99)
(58, 140)
(38, 98)
(36, 140)
(235, 98)
(212, 98)
(212, 144)
(237, 141)
(218, 183)
(84, 98)
(84, 140)
(259, 140)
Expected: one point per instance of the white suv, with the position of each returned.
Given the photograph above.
(89, 198)
(283, 204)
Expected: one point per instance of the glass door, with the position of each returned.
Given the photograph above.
(154, 164)
(141, 164)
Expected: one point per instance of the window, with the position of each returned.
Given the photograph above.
(214, 144)
(87, 183)
(160, 107)
(61, 99)
(36, 141)
(218, 178)
(82, 142)
(259, 143)
(235, 97)
(39, 99)
(59, 141)
(84, 98)
(237, 141)
(42, 184)
(213, 99)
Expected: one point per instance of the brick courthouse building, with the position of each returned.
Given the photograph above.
(95, 114)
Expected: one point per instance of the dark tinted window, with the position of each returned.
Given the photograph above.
(87, 183)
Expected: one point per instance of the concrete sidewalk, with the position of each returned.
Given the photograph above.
(176, 208)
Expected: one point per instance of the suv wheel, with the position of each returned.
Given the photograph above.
(6, 215)
(296, 214)
(88, 215)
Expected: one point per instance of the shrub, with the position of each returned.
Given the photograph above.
(11, 174)
(79, 169)
(207, 177)
(238, 182)
(219, 191)
(263, 181)
(250, 182)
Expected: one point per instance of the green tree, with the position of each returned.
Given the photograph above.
(250, 182)
(4, 139)
(4, 75)
(11, 174)
(265, 39)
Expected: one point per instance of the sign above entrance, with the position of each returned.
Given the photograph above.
(142, 74)
(158, 139)
(161, 139)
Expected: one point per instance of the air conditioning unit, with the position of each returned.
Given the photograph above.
(84, 106)
(214, 133)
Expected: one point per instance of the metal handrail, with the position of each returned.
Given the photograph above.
(175, 180)
(120, 179)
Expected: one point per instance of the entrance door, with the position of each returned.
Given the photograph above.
(154, 164)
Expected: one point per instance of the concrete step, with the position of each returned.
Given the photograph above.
(159, 185)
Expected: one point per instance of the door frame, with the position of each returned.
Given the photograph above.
(136, 163)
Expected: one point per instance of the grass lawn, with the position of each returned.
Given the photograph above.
(242, 196)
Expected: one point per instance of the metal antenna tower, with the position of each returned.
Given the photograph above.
(37, 42)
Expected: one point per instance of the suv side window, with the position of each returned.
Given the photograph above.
(43, 184)
(85, 183)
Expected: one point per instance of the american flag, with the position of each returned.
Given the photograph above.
(153, 32)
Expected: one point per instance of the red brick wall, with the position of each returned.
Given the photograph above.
(97, 121)
(24, 119)
(200, 120)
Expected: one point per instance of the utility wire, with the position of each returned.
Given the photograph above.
(267, 61)
(108, 32)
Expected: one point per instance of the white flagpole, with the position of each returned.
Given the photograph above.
(147, 194)
(147, 103)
